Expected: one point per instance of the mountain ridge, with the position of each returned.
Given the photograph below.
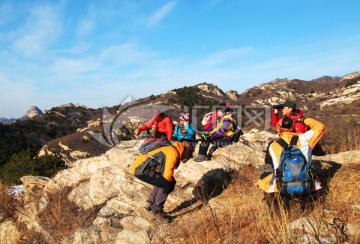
(333, 100)
(317, 98)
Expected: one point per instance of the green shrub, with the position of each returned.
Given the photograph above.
(24, 163)
(190, 96)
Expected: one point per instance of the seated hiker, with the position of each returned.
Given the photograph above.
(184, 131)
(162, 126)
(221, 134)
(287, 109)
(157, 168)
(212, 117)
(292, 176)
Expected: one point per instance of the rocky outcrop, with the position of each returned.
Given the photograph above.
(104, 183)
(112, 199)
(210, 89)
(33, 111)
(351, 76)
(70, 105)
(233, 95)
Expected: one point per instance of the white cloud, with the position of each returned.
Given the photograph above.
(87, 24)
(41, 28)
(67, 70)
(15, 96)
(127, 53)
(224, 57)
(161, 14)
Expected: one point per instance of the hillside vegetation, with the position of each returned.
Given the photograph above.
(27, 137)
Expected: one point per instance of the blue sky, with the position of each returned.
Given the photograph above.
(97, 53)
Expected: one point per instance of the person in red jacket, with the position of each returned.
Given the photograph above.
(288, 109)
(162, 126)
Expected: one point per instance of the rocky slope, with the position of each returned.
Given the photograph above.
(102, 203)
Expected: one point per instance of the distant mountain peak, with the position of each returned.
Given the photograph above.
(72, 105)
(33, 111)
(210, 88)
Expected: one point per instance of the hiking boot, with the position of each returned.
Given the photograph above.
(200, 158)
(148, 206)
(160, 219)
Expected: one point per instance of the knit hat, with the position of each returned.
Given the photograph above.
(156, 113)
(185, 116)
(224, 107)
(289, 104)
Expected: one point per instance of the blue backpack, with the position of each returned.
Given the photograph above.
(294, 174)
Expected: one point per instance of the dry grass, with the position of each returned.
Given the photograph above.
(59, 219)
(8, 204)
(240, 215)
(347, 139)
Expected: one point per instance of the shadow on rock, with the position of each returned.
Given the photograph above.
(212, 184)
(186, 207)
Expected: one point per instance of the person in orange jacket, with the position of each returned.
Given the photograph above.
(163, 182)
(163, 126)
(306, 142)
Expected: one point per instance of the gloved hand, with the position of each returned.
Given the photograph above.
(241, 132)
(137, 131)
(205, 137)
(300, 119)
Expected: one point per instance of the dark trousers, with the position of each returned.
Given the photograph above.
(157, 199)
(159, 195)
(219, 142)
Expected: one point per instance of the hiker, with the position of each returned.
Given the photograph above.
(287, 109)
(184, 130)
(212, 117)
(162, 177)
(162, 126)
(220, 134)
(270, 179)
(185, 133)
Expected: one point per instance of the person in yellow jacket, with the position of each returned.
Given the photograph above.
(161, 177)
(306, 142)
(219, 134)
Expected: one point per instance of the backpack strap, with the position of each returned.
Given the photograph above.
(294, 140)
(284, 144)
